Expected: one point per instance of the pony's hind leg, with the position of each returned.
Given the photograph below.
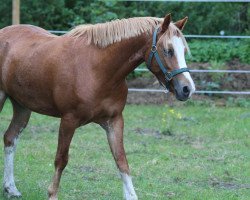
(20, 119)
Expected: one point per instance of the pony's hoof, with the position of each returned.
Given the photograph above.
(53, 198)
(12, 192)
(130, 197)
(52, 193)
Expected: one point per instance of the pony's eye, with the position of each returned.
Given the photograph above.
(168, 52)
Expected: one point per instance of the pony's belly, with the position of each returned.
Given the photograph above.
(37, 104)
(36, 99)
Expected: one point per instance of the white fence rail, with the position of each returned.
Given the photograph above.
(199, 91)
(206, 71)
(196, 92)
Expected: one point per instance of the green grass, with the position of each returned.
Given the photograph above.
(188, 152)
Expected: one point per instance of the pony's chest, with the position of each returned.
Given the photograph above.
(103, 105)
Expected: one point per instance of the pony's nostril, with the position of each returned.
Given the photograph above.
(186, 90)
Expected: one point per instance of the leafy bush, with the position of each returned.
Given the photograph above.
(219, 50)
(239, 102)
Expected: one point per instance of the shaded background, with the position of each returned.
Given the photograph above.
(204, 18)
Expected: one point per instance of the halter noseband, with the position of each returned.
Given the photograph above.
(154, 53)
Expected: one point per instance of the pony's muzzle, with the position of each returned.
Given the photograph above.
(183, 94)
(182, 90)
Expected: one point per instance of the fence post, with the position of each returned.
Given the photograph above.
(15, 11)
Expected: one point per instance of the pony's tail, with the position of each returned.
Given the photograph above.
(3, 98)
(3, 95)
(3, 51)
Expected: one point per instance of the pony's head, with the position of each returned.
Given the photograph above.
(166, 58)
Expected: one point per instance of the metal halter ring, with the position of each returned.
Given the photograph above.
(153, 48)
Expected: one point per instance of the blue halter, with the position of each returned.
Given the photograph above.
(154, 53)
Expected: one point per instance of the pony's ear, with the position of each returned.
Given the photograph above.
(166, 22)
(181, 23)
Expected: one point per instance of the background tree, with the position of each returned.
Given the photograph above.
(204, 18)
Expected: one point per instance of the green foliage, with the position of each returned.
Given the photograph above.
(204, 18)
(240, 102)
(216, 77)
(219, 50)
(49, 14)
(5, 13)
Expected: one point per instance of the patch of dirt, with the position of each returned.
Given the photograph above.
(148, 131)
(203, 81)
(227, 185)
(225, 81)
(195, 142)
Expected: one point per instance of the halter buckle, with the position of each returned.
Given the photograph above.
(153, 48)
(168, 76)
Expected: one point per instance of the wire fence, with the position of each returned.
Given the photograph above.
(199, 91)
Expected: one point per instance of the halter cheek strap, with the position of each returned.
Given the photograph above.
(154, 53)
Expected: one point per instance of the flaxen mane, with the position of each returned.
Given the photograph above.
(104, 34)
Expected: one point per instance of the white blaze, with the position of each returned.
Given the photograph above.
(179, 50)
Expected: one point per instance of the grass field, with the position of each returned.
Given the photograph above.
(187, 152)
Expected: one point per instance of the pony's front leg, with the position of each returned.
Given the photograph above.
(66, 132)
(114, 129)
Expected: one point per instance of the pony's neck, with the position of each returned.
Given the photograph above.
(122, 43)
(128, 54)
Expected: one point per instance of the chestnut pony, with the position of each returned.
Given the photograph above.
(80, 78)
